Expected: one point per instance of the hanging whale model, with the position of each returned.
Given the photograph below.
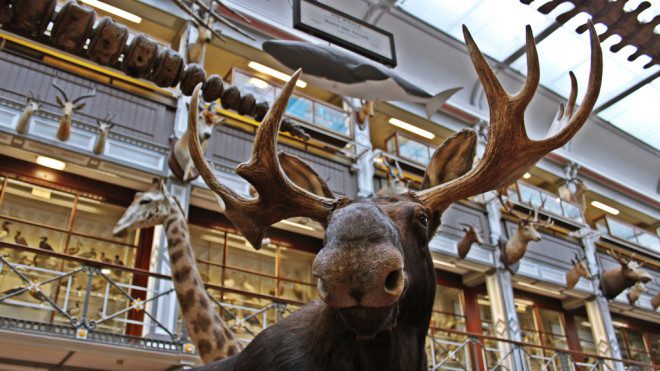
(348, 74)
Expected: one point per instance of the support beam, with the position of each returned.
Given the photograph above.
(364, 163)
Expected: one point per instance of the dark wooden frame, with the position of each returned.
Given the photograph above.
(299, 25)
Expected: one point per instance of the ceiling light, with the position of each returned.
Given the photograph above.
(50, 162)
(527, 176)
(275, 73)
(303, 226)
(604, 207)
(440, 262)
(113, 10)
(411, 128)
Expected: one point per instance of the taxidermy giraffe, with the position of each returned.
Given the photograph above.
(69, 107)
(104, 130)
(208, 332)
(580, 269)
(375, 275)
(179, 160)
(615, 280)
(32, 105)
(472, 235)
(635, 292)
(513, 249)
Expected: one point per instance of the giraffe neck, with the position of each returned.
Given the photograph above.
(208, 332)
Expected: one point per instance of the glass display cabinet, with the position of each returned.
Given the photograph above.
(410, 149)
(307, 110)
(629, 233)
(535, 197)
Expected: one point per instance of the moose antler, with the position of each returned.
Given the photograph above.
(509, 151)
(278, 197)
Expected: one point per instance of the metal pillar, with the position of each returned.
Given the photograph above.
(364, 163)
(597, 307)
(500, 292)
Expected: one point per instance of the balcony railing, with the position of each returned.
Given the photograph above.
(536, 197)
(629, 233)
(103, 303)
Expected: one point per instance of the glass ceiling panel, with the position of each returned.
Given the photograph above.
(498, 27)
(637, 114)
(566, 50)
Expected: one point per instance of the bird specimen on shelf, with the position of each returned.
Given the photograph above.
(4, 232)
(105, 259)
(44, 245)
(73, 250)
(91, 254)
(118, 261)
(20, 239)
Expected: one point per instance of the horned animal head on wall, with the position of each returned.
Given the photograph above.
(615, 280)
(69, 107)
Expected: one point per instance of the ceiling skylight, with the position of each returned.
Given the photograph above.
(498, 27)
(637, 114)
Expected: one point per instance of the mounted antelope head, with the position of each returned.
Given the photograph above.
(196, 49)
(104, 129)
(32, 105)
(69, 107)
(614, 281)
(580, 269)
(472, 235)
(513, 249)
(634, 293)
(396, 183)
(179, 160)
(375, 273)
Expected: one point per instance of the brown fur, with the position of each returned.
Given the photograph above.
(472, 235)
(614, 281)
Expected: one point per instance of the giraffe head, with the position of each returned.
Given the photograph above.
(148, 209)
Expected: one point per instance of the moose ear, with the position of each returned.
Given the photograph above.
(303, 176)
(452, 159)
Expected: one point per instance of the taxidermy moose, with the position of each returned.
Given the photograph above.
(614, 281)
(31, 106)
(375, 274)
(104, 130)
(580, 269)
(68, 109)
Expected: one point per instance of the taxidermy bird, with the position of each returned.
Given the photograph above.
(73, 250)
(20, 239)
(349, 74)
(104, 258)
(91, 254)
(45, 245)
(4, 232)
(118, 261)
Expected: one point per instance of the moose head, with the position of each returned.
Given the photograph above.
(68, 109)
(472, 235)
(104, 129)
(375, 273)
(614, 281)
(580, 269)
(32, 105)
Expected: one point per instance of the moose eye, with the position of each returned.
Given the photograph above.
(424, 220)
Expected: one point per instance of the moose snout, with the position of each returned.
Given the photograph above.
(368, 277)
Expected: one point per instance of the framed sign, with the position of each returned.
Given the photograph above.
(344, 30)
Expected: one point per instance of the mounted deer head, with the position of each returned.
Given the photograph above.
(580, 269)
(104, 129)
(375, 273)
(396, 183)
(472, 235)
(614, 281)
(196, 49)
(634, 293)
(513, 249)
(655, 302)
(32, 105)
(68, 109)
(366, 110)
(179, 160)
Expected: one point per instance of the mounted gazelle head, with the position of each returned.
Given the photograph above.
(614, 281)
(104, 129)
(68, 109)
(375, 269)
(634, 292)
(179, 161)
(579, 269)
(32, 105)
(472, 235)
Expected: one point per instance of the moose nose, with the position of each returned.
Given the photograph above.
(371, 277)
